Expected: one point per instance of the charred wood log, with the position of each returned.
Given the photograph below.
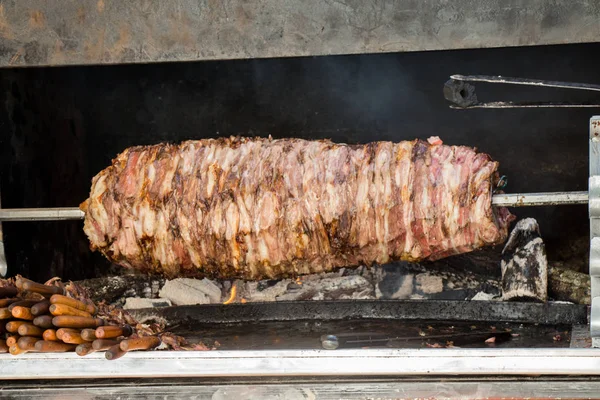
(569, 285)
(524, 264)
(115, 289)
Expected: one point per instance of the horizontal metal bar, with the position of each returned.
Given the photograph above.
(539, 199)
(282, 363)
(504, 200)
(41, 214)
(322, 389)
(526, 82)
(508, 104)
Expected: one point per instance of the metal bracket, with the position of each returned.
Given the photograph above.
(594, 214)
(3, 263)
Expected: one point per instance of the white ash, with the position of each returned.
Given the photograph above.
(483, 296)
(133, 303)
(185, 291)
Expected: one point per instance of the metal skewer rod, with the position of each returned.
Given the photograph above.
(41, 214)
(539, 199)
(499, 200)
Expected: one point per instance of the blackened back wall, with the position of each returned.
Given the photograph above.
(61, 126)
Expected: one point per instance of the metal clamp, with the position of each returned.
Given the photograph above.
(594, 214)
(461, 93)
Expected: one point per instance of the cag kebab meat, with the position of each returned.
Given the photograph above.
(256, 208)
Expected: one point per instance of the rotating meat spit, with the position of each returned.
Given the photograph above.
(499, 200)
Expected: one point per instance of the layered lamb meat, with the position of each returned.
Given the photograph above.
(261, 208)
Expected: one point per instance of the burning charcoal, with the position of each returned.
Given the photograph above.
(524, 264)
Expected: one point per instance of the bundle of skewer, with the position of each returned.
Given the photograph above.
(43, 318)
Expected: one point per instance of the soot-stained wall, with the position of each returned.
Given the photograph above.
(60, 126)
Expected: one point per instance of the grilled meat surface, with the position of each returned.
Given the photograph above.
(262, 208)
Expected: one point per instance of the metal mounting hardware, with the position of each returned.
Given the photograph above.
(594, 213)
(462, 94)
(3, 263)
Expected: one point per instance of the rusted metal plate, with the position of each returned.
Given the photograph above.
(71, 32)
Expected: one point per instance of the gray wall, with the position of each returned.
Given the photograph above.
(60, 126)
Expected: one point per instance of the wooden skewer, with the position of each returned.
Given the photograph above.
(111, 331)
(84, 349)
(22, 303)
(60, 332)
(8, 302)
(16, 350)
(63, 309)
(73, 338)
(3, 346)
(141, 343)
(43, 321)
(12, 340)
(68, 321)
(60, 299)
(30, 330)
(22, 313)
(40, 308)
(89, 334)
(27, 343)
(114, 353)
(8, 291)
(13, 326)
(45, 290)
(50, 335)
(45, 346)
(5, 313)
(104, 344)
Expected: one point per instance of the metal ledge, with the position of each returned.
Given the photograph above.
(297, 363)
(329, 310)
(551, 388)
